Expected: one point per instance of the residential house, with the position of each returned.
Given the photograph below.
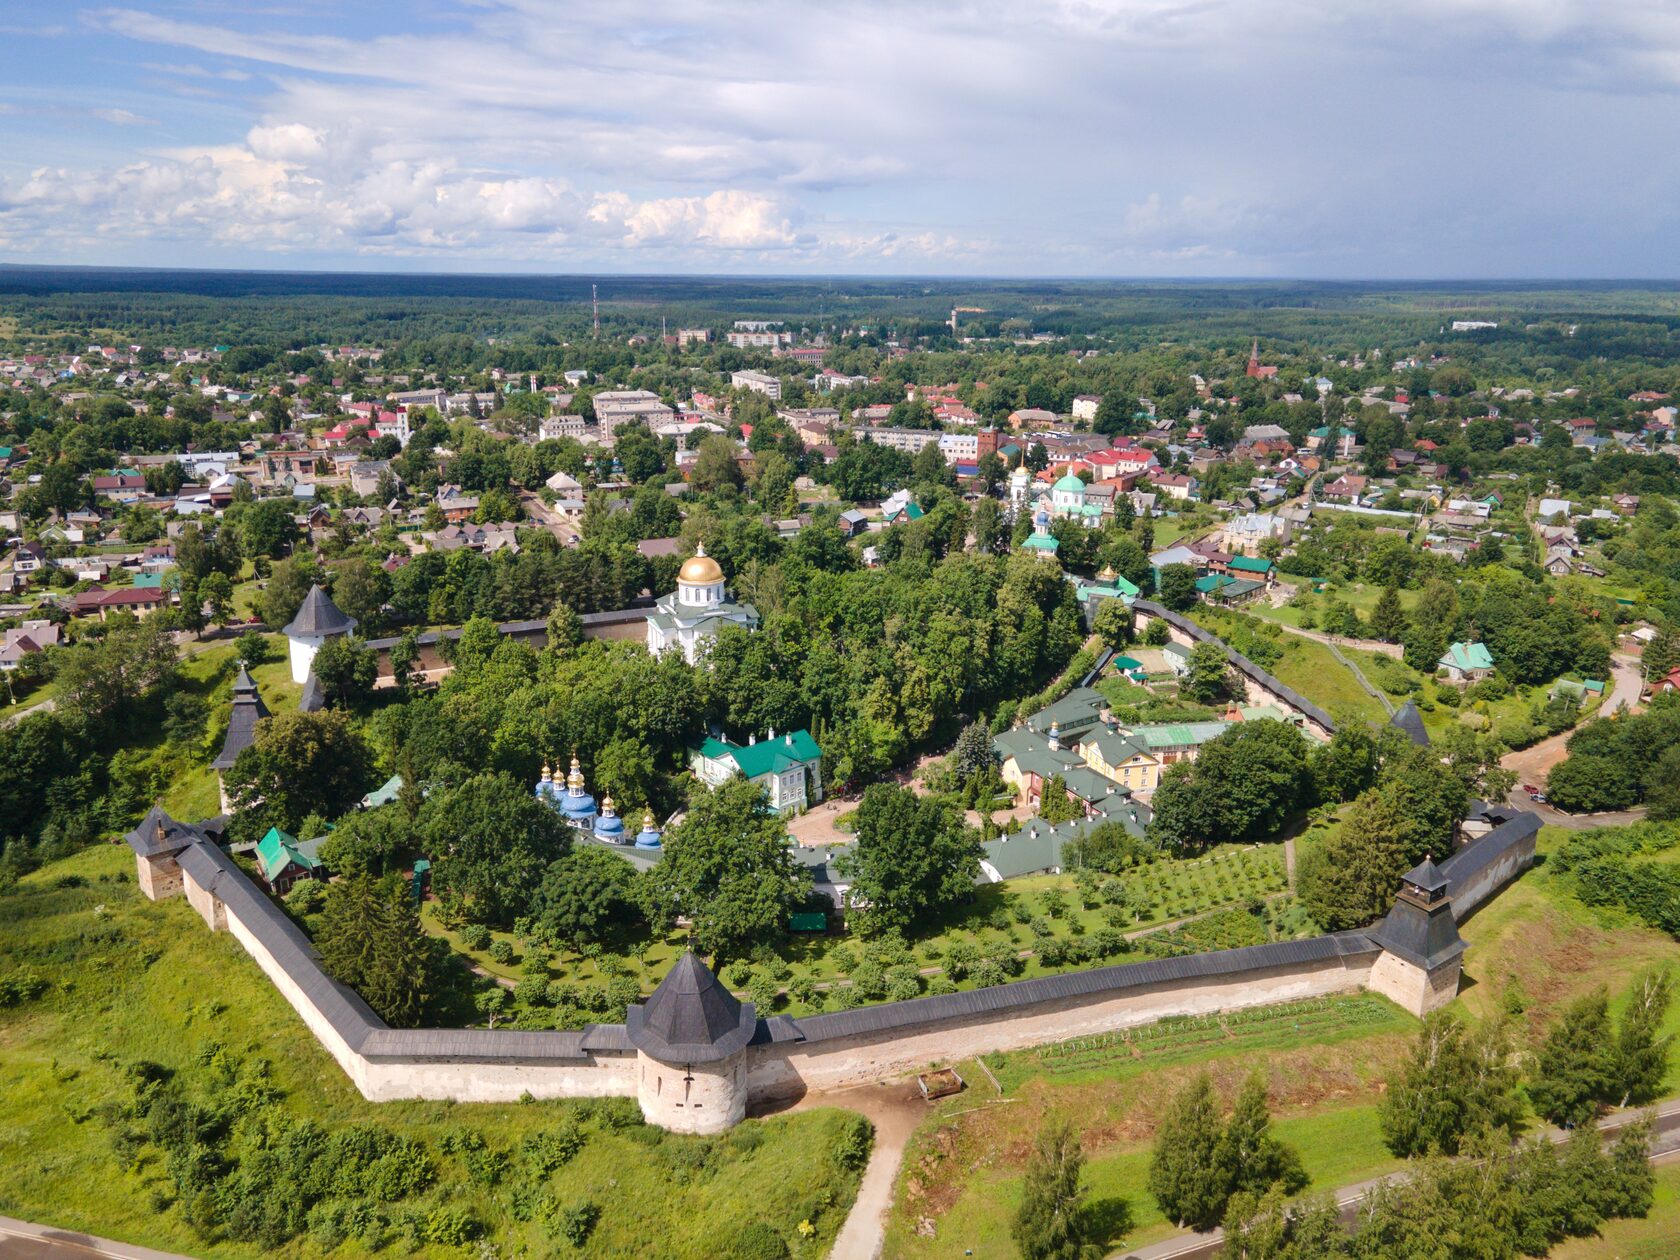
(282, 861)
(1467, 662)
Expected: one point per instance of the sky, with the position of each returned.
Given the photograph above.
(1406, 139)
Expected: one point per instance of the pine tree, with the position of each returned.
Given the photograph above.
(348, 937)
(1048, 1225)
(1573, 1074)
(1388, 619)
(1183, 1176)
(1248, 1157)
(1054, 803)
(399, 984)
(1639, 1059)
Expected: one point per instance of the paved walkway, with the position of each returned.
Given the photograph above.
(20, 1240)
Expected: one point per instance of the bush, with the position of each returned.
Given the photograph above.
(476, 937)
(756, 1241)
(448, 1227)
(855, 1141)
(575, 1222)
(761, 991)
(552, 1148)
(501, 951)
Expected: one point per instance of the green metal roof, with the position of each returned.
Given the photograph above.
(1468, 656)
(278, 850)
(767, 756)
(1070, 484)
(1041, 542)
(1251, 564)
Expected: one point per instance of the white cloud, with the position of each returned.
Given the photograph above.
(1102, 135)
(123, 118)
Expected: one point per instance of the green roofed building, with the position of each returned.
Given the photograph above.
(1258, 566)
(282, 861)
(788, 767)
(1467, 662)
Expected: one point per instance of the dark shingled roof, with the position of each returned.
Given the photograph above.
(1408, 719)
(1077, 986)
(319, 615)
(157, 834)
(1426, 940)
(313, 698)
(248, 708)
(690, 1018)
(1462, 868)
(1290, 696)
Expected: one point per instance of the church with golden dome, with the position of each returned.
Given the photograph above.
(696, 610)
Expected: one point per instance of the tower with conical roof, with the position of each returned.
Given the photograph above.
(1422, 950)
(691, 1038)
(248, 710)
(318, 620)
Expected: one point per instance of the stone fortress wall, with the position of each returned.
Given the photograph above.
(721, 1057)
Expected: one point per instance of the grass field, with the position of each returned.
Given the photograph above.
(1532, 950)
(1361, 596)
(134, 980)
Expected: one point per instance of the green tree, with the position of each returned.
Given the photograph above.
(1351, 878)
(1209, 678)
(215, 592)
(1113, 623)
(1055, 806)
(728, 870)
(288, 586)
(714, 465)
(1453, 1083)
(1639, 1058)
(362, 590)
(1388, 618)
(300, 764)
(1244, 785)
(1178, 587)
(266, 528)
(565, 629)
(1573, 1071)
(1049, 1224)
(492, 843)
(1184, 1175)
(584, 896)
(1248, 1156)
(914, 856)
(347, 669)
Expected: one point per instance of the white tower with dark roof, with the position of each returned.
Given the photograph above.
(317, 621)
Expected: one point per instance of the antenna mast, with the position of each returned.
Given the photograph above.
(595, 308)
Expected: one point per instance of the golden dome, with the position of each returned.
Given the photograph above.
(700, 569)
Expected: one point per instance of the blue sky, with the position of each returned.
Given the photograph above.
(1314, 138)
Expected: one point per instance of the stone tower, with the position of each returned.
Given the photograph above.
(1422, 950)
(691, 1038)
(317, 621)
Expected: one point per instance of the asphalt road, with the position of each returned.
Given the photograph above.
(19, 1240)
(1665, 1147)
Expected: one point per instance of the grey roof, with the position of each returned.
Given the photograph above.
(1408, 719)
(313, 699)
(157, 834)
(319, 615)
(1426, 876)
(1078, 985)
(596, 620)
(1463, 867)
(1293, 698)
(1425, 938)
(690, 1018)
(248, 709)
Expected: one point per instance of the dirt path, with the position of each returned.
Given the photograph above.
(1534, 763)
(895, 1110)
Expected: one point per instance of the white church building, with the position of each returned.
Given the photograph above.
(696, 610)
(318, 620)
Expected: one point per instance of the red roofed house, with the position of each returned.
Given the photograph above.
(140, 600)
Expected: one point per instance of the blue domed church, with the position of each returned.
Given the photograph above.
(572, 802)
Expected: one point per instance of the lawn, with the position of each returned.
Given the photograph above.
(132, 980)
(1029, 915)
(1322, 1061)
(1362, 596)
(1532, 950)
